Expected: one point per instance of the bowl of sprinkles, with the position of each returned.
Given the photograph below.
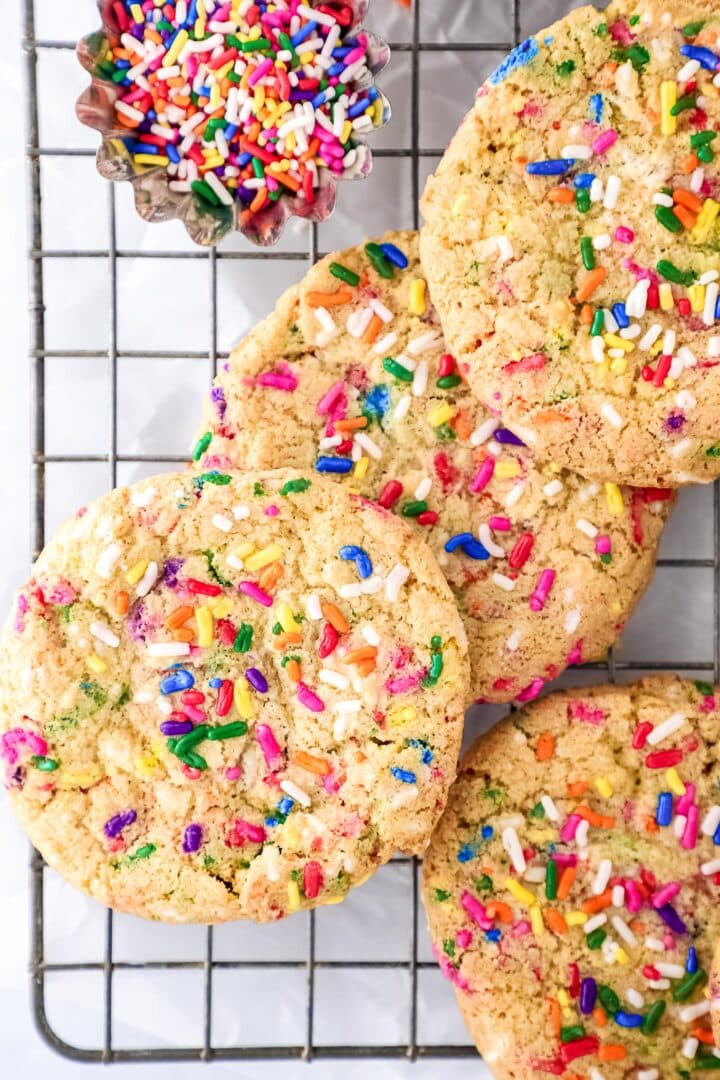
(233, 115)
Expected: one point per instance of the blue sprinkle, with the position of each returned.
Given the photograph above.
(343, 50)
(404, 775)
(716, 837)
(373, 93)
(521, 55)
(358, 108)
(717, 308)
(333, 465)
(172, 153)
(705, 57)
(304, 34)
(377, 401)
(554, 167)
(487, 832)
(271, 822)
(179, 679)
(475, 550)
(360, 557)
(145, 148)
(395, 255)
(493, 935)
(231, 131)
(457, 541)
(244, 159)
(597, 107)
(285, 805)
(466, 853)
(426, 756)
(215, 683)
(691, 964)
(621, 318)
(663, 815)
(549, 39)
(336, 69)
(628, 1020)
(584, 180)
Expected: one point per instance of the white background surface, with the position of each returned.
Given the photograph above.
(157, 414)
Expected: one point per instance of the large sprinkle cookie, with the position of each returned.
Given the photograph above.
(573, 884)
(572, 242)
(350, 376)
(230, 696)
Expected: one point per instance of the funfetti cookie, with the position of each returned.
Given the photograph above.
(573, 885)
(350, 377)
(571, 242)
(230, 696)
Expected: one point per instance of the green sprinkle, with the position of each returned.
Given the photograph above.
(228, 731)
(383, 265)
(689, 101)
(449, 947)
(484, 884)
(634, 20)
(538, 812)
(213, 571)
(653, 1017)
(601, 30)
(201, 445)
(295, 487)
(436, 642)
(701, 138)
(143, 852)
(447, 382)
(397, 370)
(666, 218)
(636, 54)
(705, 688)
(588, 253)
(582, 200)
(565, 68)
(441, 895)
(551, 880)
(598, 323)
(436, 666)
(706, 154)
(205, 192)
(255, 46)
(684, 989)
(606, 559)
(414, 508)
(258, 168)
(609, 1000)
(572, 1033)
(692, 29)
(243, 638)
(713, 451)
(277, 629)
(705, 1064)
(193, 761)
(344, 274)
(44, 764)
(219, 479)
(672, 273)
(286, 42)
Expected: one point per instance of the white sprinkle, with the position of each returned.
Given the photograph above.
(658, 984)
(359, 321)
(596, 190)
(368, 445)
(370, 634)
(592, 924)
(240, 512)
(711, 821)
(218, 187)
(371, 585)
(424, 343)
(333, 678)
(612, 415)
(350, 591)
(595, 1074)
(689, 360)
(108, 561)
(348, 707)
(661, 199)
(511, 843)
(612, 191)
(624, 931)
(330, 329)
(611, 323)
(513, 642)
(554, 487)
(486, 539)
(147, 580)
(144, 497)
(483, 431)
(597, 348)
(646, 343)
(670, 971)
(686, 72)
(655, 945)
(685, 399)
(618, 896)
(636, 304)
(602, 242)
(648, 1074)
(694, 1012)
(679, 824)
(578, 151)
(385, 344)
(697, 180)
(312, 15)
(586, 527)
(514, 494)
(164, 706)
(381, 311)
(505, 249)
(635, 998)
(714, 346)
(711, 298)
(708, 276)
(103, 633)
(581, 834)
(420, 379)
(127, 110)
(666, 729)
(503, 582)
(423, 489)
(313, 609)
(602, 877)
(550, 808)
(330, 442)
(681, 448)
(295, 792)
(402, 408)
(221, 522)
(143, 697)
(169, 648)
(534, 874)
(710, 868)
(572, 620)
(394, 582)
(690, 1047)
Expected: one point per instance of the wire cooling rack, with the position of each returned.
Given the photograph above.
(679, 622)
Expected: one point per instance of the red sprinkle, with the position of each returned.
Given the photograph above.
(664, 759)
(312, 879)
(390, 494)
(640, 734)
(579, 1048)
(521, 551)
(202, 588)
(224, 698)
(446, 365)
(428, 517)
(328, 641)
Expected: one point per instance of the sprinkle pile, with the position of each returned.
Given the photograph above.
(599, 870)
(242, 102)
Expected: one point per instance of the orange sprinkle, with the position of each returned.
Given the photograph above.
(611, 1052)
(597, 903)
(586, 315)
(285, 179)
(560, 195)
(704, 1035)
(599, 821)
(689, 164)
(555, 1015)
(290, 638)
(350, 425)
(126, 121)
(497, 910)
(651, 825)
(545, 746)
(310, 764)
(179, 617)
(292, 669)
(688, 219)
(576, 788)
(341, 296)
(311, 150)
(335, 617)
(183, 633)
(555, 921)
(259, 199)
(592, 282)
(373, 329)
(461, 425)
(686, 198)
(365, 668)
(122, 603)
(566, 882)
(637, 926)
(599, 1017)
(365, 652)
(270, 576)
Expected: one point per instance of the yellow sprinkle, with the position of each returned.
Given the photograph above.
(666, 297)
(286, 618)
(441, 414)
(264, 557)
(614, 498)
(618, 365)
(459, 205)
(334, 899)
(521, 894)
(290, 143)
(621, 957)
(669, 384)
(137, 13)
(346, 131)
(536, 921)
(696, 296)
(616, 607)
(213, 162)
(215, 97)
(84, 779)
(151, 159)
(146, 764)
(657, 348)
(136, 572)
(176, 48)
(668, 98)
(416, 301)
(220, 607)
(307, 57)
(378, 111)
(604, 786)
(614, 341)
(96, 664)
(674, 782)
(259, 93)
(576, 918)
(507, 470)
(361, 467)
(563, 998)
(243, 701)
(706, 220)
(242, 550)
(293, 896)
(204, 620)
(404, 715)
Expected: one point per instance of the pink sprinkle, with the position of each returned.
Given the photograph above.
(520, 929)
(500, 524)
(249, 588)
(331, 784)
(194, 714)
(567, 833)
(260, 71)
(463, 938)
(22, 607)
(282, 378)
(310, 700)
(624, 235)
(475, 910)
(192, 774)
(563, 860)
(689, 837)
(483, 475)
(405, 683)
(234, 772)
(582, 710)
(685, 801)
(605, 141)
(531, 692)
(575, 656)
(665, 895)
(272, 511)
(633, 899)
(247, 831)
(603, 545)
(330, 399)
(269, 746)
(542, 590)
(451, 972)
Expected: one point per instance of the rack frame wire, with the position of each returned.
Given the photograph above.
(411, 1049)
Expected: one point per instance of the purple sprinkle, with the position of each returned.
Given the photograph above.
(257, 680)
(176, 727)
(670, 917)
(170, 572)
(115, 825)
(588, 994)
(192, 839)
(675, 422)
(506, 438)
(217, 396)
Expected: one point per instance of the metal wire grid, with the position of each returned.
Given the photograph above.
(411, 1049)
